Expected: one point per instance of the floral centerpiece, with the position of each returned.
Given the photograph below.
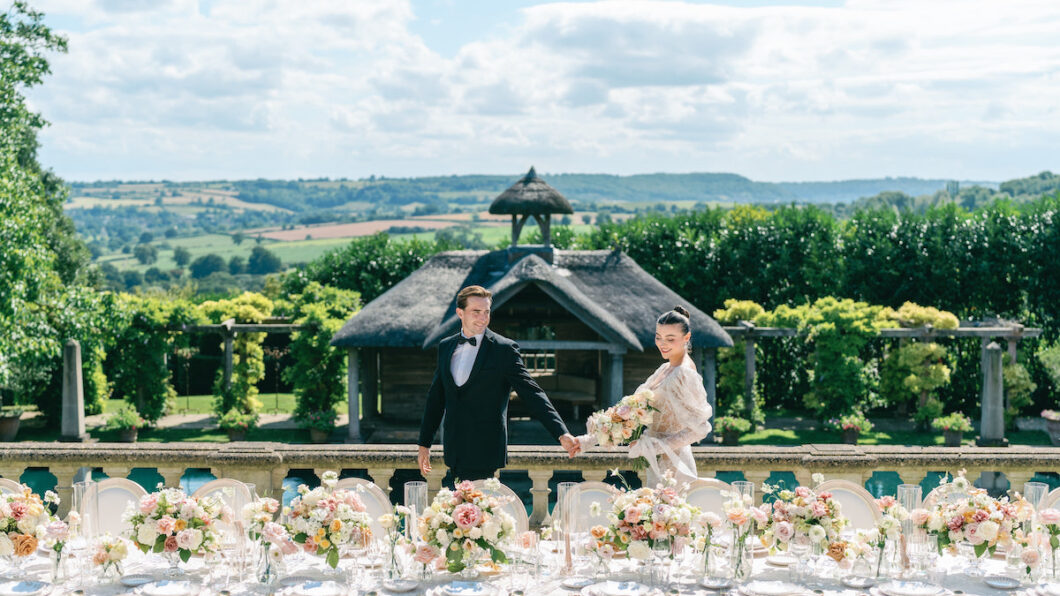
(963, 513)
(325, 518)
(639, 518)
(889, 528)
(21, 514)
(803, 512)
(109, 553)
(462, 520)
(624, 422)
(169, 521)
(259, 517)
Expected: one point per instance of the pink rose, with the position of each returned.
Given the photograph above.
(802, 491)
(1049, 516)
(19, 510)
(1030, 557)
(759, 516)
(632, 515)
(273, 533)
(886, 502)
(972, 534)
(819, 509)
(739, 517)
(270, 505)
(955, 523)
(425, 554)
(465, 486)
(919, 516)
(783, 531)
(288, 547)
(57, 531)
(165, 525)
(355, 502)
(189, 539)
(171, 544)
(623, 412)
(467, 515)
(148, 503)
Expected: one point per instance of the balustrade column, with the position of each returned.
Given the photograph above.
(758, 477)
(276, 489)
(594, 475)
(381, 477)
(434, 479)
(117, 471)
(913, 475)
(171, 476)
(539, 515)
(1017, 478)
(64, 486)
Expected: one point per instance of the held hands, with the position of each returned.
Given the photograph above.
(425, 460)
(570, 444)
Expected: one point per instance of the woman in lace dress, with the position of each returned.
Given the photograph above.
(683, 416)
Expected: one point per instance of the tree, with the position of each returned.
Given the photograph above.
(146, 238)
(205, 265)
(237, 265)
(238, 238)
(181, 256)
(262, 261)
(145, 253)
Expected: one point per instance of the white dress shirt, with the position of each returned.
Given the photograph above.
(464, 359)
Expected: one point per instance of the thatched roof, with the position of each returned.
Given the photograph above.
(530, 195)
(605, 289)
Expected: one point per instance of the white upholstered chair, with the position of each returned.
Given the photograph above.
(584, 495)
(1051, 500)
(235, 495)
(706, 493)
(106, 502)
(9, 487)
(855, 503)
(514, 506)
(375, 500)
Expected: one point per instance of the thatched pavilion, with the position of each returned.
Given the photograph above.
(584, 320)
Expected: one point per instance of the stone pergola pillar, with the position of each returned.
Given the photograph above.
(992, 426)
(616, 375)
(353, 394)
(73, 420)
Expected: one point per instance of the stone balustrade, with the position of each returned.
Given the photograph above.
(267, 464)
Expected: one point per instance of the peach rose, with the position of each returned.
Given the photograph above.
(1049, 516)
(171, 544)
(25, 544)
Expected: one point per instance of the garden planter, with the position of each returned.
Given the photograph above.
(319, 436)
(730, 438)
(9, 427)
(953, 438)
(128, 435)
(237, 435)
(850, 436)
(1053, 428)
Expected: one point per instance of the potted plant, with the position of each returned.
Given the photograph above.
(10, 418)
(851, 425)
(1052, 425)
(730, 428)
(127, 421)
(953, 427)
(236, 424)
(320, 424)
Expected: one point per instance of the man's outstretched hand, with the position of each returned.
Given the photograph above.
(569, 443)
(425, 460)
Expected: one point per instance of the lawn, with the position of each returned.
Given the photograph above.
(776, 436)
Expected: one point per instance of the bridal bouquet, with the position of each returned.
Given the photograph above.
(172, 522)
(623, 422)
(463, 520)
(325, 518)
(803, 512)
(21, 514)
(965, 513)
(639, 518)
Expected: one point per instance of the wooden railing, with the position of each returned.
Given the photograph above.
(268, 464)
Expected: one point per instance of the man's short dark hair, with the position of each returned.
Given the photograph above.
(468, 292)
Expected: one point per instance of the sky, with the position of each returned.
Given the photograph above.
(775, 91)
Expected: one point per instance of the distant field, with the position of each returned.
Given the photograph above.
(350, 230)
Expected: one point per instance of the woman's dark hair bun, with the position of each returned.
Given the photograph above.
(681, 310)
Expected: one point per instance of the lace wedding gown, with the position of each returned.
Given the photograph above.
(683, 418)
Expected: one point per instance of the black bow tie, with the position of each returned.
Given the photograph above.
(461, 339)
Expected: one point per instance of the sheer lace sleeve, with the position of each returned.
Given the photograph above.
(684, 414)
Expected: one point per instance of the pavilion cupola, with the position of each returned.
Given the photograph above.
(531, 197)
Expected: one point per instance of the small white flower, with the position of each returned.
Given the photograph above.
(817, 478)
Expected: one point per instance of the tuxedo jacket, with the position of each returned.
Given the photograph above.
(475, 432)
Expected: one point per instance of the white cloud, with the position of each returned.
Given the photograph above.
(284, 88)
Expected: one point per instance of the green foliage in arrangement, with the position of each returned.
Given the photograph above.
(248, 357)
(318, 372)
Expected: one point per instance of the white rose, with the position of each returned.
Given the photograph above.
(817, 534)
(443, 538)
(935, 522)
(7, 548)
(118, 552)
(27, 525)
(475, 533)
(639, 550)
(491, 531)
(146, 534)
(988, 530)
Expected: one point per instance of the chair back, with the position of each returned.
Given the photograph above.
(106, 502)
(1050, 500)
(375, 500)
(855, 503)
(235, 495)
(9, 487)
(514, 507)
(584, 495)
(706, 493)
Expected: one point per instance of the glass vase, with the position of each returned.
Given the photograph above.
(395, 568)
(60, 572)
(470, 561)
(173, 559)
(266, 569)
(741, 557)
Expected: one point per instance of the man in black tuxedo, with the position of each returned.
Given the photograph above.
(477, 369)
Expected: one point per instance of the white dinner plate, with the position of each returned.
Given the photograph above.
(400, 585)
(296, 580)
(783, 560)
(316, 588)
(770, 588)
(576, 583)
(168, 587)
(613, 588)
(463, 588)
(857, 582)
(716, 583)
(135, 580)
(1001, 582)
(1049, 589)
(904, 588)
(24, 587)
